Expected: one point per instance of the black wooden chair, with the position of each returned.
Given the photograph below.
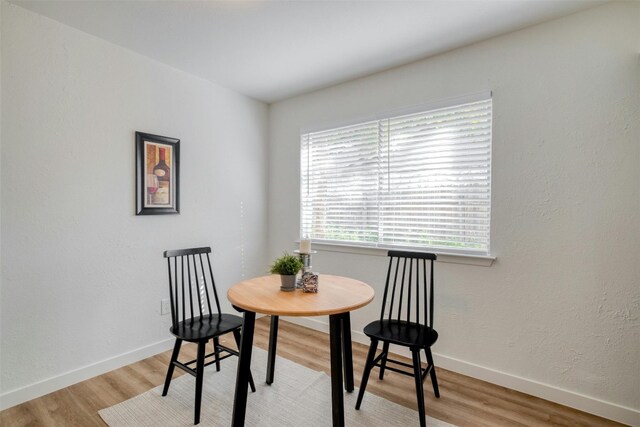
(409, 284)
(191, 290)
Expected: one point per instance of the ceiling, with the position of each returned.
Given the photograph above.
(271, 50)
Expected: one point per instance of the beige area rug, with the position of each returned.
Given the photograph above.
(298, 397)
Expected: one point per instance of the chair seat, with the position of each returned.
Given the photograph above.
(206, 327)
(401, 333)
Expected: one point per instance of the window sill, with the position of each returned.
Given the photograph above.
(478, 260)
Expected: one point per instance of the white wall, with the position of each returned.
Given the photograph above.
(82, 276)
(0, 187)
(557, 315)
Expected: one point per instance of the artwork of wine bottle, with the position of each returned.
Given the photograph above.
(163, 172)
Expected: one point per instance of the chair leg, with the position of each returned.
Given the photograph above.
(367, 371)
(383, 361)
(417, 373)
(236, 336)
(174, 357)
(199, 378)
(251, 383)
(434, 379)
(216, 351)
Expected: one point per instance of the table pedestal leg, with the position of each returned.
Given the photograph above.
(244, 369)
(337, 399)
(273, 342)
(347, 352)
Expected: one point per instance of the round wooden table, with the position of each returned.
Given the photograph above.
(337, 296)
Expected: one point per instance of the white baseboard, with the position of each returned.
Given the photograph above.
(569, 398)
(32, 391)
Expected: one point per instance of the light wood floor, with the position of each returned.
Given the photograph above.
(464, 401)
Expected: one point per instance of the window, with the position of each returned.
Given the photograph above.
(419, 180)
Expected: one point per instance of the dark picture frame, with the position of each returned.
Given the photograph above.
(157, 174)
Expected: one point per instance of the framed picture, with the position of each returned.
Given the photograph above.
(157, 174)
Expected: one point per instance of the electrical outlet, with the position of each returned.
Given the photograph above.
(165, 308)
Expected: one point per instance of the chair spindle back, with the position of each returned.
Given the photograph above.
(408, 290)
(191, 284)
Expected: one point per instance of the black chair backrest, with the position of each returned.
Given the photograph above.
(191, 283)
(409, 286)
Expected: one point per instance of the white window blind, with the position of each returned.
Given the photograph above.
(421, 180)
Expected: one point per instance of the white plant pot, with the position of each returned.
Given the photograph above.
(287, 282)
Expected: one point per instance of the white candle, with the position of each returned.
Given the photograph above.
(305, 246)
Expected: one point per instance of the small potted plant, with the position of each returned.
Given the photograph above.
(287, 266)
